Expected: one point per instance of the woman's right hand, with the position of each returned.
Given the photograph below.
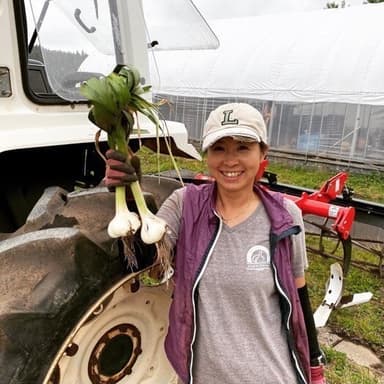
(120, 170)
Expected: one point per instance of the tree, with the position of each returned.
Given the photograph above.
(334, 4)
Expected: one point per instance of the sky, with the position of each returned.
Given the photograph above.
(212, 9)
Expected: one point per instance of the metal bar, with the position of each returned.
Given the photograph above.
(365, 208)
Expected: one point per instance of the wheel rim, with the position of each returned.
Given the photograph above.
(115, 354)
(120, 340)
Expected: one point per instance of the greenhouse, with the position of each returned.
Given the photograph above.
(317, 77)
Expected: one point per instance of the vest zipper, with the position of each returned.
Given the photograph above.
(198, 278)
(274, 240)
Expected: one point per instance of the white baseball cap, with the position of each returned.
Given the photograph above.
(237, 120)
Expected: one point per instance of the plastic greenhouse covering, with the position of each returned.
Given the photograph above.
(318, 77)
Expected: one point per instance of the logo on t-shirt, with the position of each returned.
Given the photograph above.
(258, 258)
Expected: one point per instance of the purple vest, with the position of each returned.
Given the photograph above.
(198, 227)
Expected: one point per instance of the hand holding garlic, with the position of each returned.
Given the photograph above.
(116, 100)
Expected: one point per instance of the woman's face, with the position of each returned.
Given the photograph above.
(234, 163)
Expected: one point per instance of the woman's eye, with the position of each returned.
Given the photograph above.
(217, 148)
(243, 147)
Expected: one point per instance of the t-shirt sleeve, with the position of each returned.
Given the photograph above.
(300, 259)
(170, 211)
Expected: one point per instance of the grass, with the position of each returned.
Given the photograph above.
(365, 186)
(362, 323)
(149, 163)
(341, 371)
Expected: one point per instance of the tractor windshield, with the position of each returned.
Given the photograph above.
(70, 41)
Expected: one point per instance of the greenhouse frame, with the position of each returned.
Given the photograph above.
(316, 76)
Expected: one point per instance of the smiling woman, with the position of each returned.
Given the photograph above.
(239, 264)
(234, 163)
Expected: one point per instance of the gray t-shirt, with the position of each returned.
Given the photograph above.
(239, 334)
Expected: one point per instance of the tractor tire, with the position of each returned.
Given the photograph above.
(70, 311)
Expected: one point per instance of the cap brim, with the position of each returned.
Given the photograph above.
(236, 131)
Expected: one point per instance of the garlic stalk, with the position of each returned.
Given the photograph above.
(125, 222)
(115, 100)
(153, 228)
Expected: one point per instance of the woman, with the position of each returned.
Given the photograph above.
(240, 311)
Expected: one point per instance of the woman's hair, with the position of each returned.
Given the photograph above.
(264, 147)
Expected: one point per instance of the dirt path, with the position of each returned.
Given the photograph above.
(357, 353)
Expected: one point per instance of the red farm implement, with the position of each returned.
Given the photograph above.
(337, 224)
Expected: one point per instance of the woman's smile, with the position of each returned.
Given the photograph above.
(233, 163)
(231, 174)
